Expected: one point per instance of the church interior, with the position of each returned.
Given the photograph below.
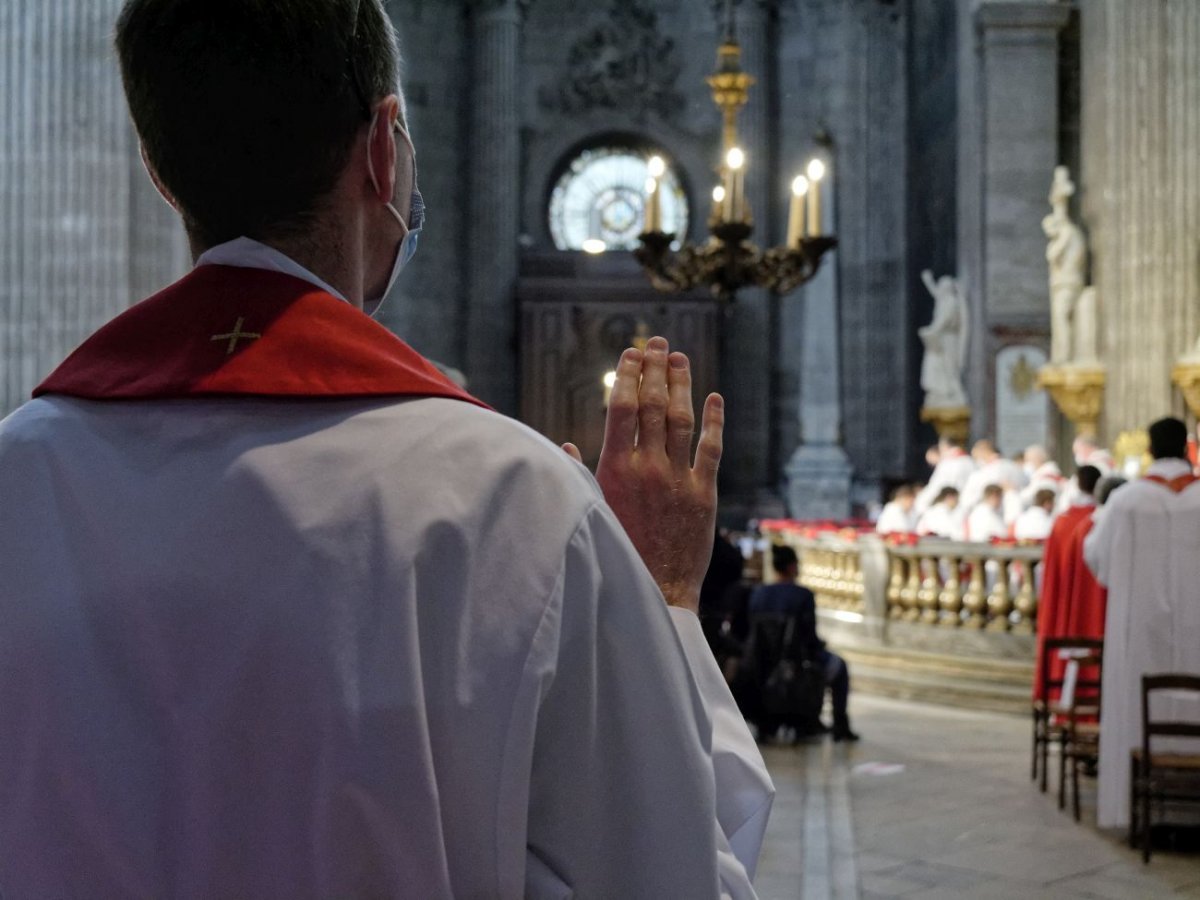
(941, 258)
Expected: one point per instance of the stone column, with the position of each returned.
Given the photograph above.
(845, 80)
(1009, 145)
(1141, 196)
(66, 152)
(748, 352)
(495, 189)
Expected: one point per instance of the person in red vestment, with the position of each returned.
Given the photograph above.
(1061, 562)
(1083, 613)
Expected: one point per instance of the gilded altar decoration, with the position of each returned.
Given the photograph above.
(1131, 452)
(948, 421)
(1078, 391)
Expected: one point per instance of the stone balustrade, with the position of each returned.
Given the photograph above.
(832, 570)
(961, 585)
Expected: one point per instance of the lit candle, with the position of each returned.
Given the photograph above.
(655, 167)
(796, 212)
(816, 171)
(735, 187)
(653, 209)
(718, 196)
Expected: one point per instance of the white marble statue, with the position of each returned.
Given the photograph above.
(1087, 335)
(945, 339)
(1066, 255)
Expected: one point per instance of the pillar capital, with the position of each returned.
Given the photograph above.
(1023, 15)
(499, 9)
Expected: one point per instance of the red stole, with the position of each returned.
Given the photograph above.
(228, 331)
(1060, 570)
(1175, 484)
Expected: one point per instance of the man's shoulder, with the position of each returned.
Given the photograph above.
(32, 422)
(445, 440)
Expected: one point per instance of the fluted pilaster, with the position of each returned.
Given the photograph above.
(494, 201)
(83, 232)
(1141, 180)
(64, 211)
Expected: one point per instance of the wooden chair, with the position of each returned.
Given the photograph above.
(1048, 712)
(1162, 779)
(1079, 733)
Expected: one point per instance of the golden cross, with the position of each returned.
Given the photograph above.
(236, 335)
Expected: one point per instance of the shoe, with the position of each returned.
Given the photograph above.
(842, 732)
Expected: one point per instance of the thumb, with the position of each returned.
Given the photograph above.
(573, 452)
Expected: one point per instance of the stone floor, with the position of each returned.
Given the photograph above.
(937, 803)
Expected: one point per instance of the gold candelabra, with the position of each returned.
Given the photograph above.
(728, 260)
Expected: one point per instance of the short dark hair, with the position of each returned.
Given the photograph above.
(247, 109)
(782, 558)
(945, 493)
(1087, 477)
(1107, 485)
(993, 490)
(1168, 439)
(1045, 497)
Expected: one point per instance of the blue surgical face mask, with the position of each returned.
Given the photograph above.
(412, 228)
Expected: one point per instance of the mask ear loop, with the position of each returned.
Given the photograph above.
(391, 207)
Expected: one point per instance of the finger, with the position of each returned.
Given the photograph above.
(653, 397)
(573, 452)
(620, 426)
(681, 418)
(712, 430)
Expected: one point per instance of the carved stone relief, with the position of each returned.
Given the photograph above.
(625, 63)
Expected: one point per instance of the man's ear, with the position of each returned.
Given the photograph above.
(158, 185)
(381, 148)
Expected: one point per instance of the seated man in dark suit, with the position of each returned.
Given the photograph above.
(787, 597)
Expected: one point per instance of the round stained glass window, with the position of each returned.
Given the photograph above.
(602, 197)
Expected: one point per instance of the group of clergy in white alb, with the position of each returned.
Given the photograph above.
(984, 496)
(1125, 571)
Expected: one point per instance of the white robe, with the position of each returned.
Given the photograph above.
(1145, 548)
(894, 519)
(940, 521)
(1000, 471)
(1033, 525)
(952, 471)
(345, 648)
(984, 523)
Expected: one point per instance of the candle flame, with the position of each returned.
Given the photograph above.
(719, 194)
(610, 379)
(651, 185)
(594, 245)
(816, 170)
(656, 167)
(735, 158)
(799, 185)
